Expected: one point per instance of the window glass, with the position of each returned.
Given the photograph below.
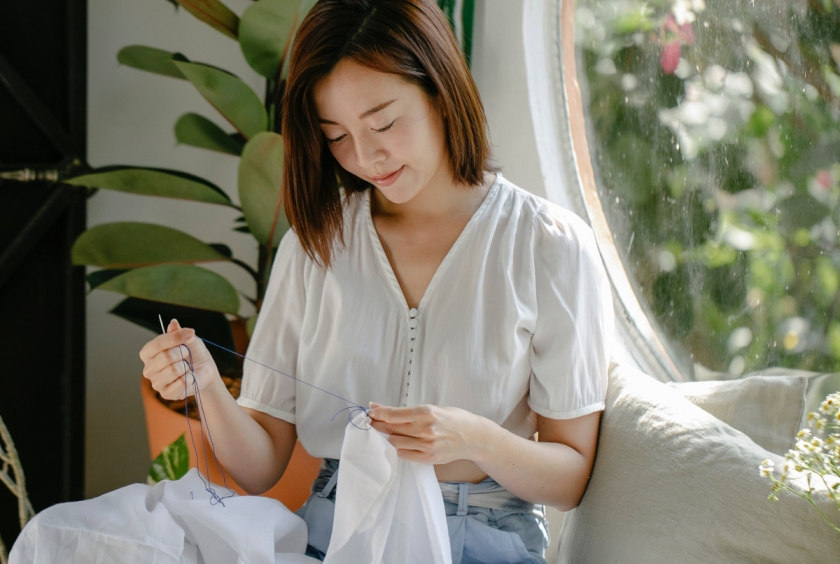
(714, 130)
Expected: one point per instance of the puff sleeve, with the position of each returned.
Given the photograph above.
(575, 319)
(276, 337)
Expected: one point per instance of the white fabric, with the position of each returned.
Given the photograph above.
(387, 510)
(169, 523)
(516, 320)
(767, 409)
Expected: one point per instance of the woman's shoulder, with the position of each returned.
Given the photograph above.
(549, 223)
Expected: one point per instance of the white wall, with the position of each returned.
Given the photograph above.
(131, 117)
(498, 65)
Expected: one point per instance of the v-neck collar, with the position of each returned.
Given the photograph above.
(385, 264)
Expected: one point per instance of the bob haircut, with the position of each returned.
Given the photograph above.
(408, 38)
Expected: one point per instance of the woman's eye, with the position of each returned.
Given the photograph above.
(386, 128)
(336, 140)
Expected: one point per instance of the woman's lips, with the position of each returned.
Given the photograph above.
(388, 179)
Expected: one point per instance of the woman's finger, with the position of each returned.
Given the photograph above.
(165, 342)
(416, 456)
(408, 443)
(174, 390)
(399, 415)
(161, 364)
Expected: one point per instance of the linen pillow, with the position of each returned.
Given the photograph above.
(768, 409)
(672, 483)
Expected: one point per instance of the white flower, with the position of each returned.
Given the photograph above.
(682, 12)
(767, 468)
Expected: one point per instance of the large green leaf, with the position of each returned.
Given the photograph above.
(215, 14)
(260, 180)
(172, 463)
(266, 32)
(234, 99)
(305, 6)
(154, 182)
(198, 131)
(180, 284)
(131, 244)
(150, 59)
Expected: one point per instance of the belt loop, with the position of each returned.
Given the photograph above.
(463, 497)
(330, 485)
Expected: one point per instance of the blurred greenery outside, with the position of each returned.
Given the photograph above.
(715, 133)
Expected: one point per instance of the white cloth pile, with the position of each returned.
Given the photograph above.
(387, 511)
(168, 523)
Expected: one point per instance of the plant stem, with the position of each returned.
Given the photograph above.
(811, 501)
(812, 76)
(254, 274)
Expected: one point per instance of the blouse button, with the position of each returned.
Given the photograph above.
(412, 312)
(412, 322)
(412, 333)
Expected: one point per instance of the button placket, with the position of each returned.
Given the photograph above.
(412, 337)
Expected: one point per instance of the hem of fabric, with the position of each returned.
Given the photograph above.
(592, 408)
(267, 409)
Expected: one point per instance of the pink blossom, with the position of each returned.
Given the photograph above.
(673, 36)
(670, 57)
(824, 178)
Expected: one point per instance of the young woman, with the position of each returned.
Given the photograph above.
(474, 316)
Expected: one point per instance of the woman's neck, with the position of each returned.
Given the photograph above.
(440, 200)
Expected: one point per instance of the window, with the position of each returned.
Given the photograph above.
(706, 150)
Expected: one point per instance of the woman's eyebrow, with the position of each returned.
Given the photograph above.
(364, 114)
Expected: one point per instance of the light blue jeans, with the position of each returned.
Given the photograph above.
(487, 524)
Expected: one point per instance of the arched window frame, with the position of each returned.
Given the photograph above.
(560, 128)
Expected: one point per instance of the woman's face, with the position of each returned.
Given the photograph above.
(383, 130)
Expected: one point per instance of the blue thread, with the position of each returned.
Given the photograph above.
(214, 497)
(353, 407)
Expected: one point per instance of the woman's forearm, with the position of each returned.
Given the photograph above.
(253, 447)
(550, 473)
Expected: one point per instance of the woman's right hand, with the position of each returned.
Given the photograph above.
(165, 362)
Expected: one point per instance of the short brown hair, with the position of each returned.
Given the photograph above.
(408, 38)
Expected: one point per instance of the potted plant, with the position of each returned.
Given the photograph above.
(156, 267)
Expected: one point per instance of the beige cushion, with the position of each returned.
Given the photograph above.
(767, 409)
(672, 483)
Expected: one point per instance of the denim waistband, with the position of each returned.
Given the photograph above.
(487, 493)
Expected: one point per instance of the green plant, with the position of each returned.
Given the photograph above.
(716, 128)
(155, 266)
(172, 463)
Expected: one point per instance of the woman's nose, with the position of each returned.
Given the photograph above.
(368, 153)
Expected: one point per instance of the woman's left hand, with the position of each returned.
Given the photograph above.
(428, 433)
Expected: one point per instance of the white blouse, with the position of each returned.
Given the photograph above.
(517, 320)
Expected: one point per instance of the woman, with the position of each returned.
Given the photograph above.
(473, 315)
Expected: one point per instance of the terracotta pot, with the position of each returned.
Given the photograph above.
(165, 425)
